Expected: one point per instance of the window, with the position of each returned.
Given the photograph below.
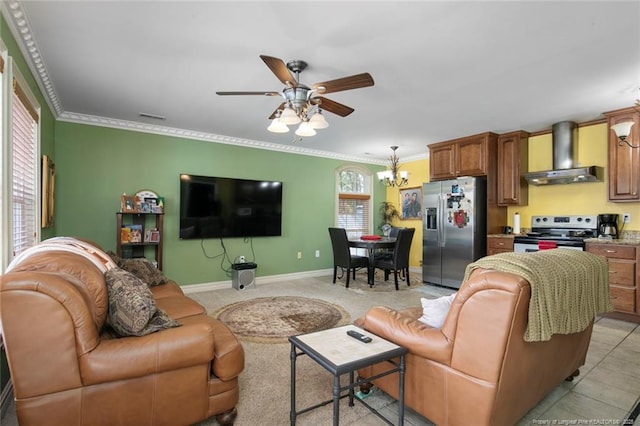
(354, 201)
(20, 180)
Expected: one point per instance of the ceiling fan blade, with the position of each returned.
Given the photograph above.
(274, 113)
(346, 83)
(332, 106)
(279, 68)
(248, 93)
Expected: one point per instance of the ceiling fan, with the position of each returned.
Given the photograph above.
(303, 104)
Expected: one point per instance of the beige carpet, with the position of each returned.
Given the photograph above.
(265, 382)
(360, 284)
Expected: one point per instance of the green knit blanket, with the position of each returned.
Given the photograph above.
(568, 288)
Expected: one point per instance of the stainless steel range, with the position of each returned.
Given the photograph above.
(549, 232)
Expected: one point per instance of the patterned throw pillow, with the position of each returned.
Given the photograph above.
(141, 268)
(132, 308)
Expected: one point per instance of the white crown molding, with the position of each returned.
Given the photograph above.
(207, 137)
(19, 25)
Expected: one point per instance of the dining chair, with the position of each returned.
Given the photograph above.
(399, 261)
(342, 256)
(388, 253)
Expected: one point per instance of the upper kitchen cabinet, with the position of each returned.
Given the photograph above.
(624, 162)
(513, 163)
(468, 156)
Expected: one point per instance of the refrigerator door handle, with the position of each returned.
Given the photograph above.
(441, 240)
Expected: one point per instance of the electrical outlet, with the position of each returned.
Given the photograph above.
(299, 255)
(317, 253)
(626, 217)
(241, 259)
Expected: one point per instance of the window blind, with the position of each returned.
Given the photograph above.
(353, 213)
(24, 122)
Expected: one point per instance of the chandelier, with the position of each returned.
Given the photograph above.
(298, 108)
(393, 176)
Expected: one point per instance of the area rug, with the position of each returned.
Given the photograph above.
(360, 284)
(274, 319)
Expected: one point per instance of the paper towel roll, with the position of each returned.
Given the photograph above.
(516, 223)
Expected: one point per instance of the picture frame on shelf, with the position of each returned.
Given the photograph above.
(136, 233)
(154, 236)
(411, 203)
(144, 208)
(128, 204)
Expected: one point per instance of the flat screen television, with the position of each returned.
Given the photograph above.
(220, 207)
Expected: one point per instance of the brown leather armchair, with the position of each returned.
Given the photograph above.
(477, 369)
(67, 369)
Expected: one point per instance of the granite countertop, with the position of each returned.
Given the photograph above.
(627, 238)
(501, 235)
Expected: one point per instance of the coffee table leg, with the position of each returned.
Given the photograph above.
(351, 375)
(401, 392)
(336, 400)
(292, 414)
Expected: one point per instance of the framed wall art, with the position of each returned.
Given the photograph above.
(48, 185)
(411, 203)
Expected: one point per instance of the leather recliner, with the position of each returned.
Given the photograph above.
(477, 369)
(68, 370)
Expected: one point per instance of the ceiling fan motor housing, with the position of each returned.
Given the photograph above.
(297, 96)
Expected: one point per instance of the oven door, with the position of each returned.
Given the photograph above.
(527, 244)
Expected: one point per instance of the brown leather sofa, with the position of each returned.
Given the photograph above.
(477, 369)
(67, 369)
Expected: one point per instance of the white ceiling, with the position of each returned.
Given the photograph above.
(442, 69)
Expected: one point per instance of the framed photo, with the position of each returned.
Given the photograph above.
(145, 208)
(128, 204)
(48, 185)
(154, 236)
(411, 203)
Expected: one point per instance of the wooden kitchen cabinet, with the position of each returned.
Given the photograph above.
(468, 156)
(624, 277)
(623, 161)
(513, 163)
(497, 245)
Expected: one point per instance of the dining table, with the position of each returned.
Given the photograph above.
(372, 245)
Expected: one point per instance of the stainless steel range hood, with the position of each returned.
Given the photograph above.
(565, 135)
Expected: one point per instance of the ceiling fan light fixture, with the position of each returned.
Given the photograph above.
(289, 116)
(305, 129)
(317, 121)
(277, 126)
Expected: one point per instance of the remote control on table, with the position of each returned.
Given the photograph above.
(359, 336)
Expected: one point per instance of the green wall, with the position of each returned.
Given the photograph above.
(96, 165)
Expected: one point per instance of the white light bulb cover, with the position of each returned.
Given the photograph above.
(404, 175)
(277, 126)
(289, 116)
(622, 129)
(305, 129)
(318, 121)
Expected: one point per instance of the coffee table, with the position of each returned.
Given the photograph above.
(339, 354)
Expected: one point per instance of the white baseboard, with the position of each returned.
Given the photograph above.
(219, 285)
(197, 288)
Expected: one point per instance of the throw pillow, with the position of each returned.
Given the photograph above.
(434, 311)
(141, 268)
(132, 308)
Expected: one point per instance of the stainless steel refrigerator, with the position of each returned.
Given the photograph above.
(454, 228)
